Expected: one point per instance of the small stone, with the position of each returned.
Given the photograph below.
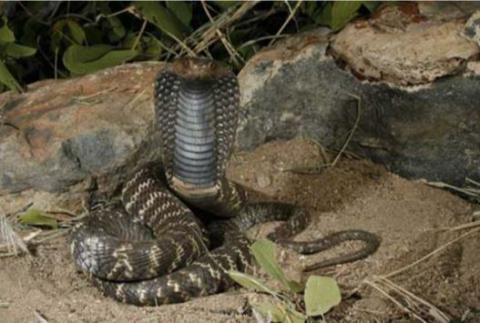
(263, 181)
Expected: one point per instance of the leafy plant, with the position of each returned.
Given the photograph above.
(320, 293)
(41, 39)
(36, 217)
(9, 51)
(337, 14)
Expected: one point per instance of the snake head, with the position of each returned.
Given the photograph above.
(199, 68)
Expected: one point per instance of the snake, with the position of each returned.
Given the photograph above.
(179, 225)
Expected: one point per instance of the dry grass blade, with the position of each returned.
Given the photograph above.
(431, 254)
(182, 44)
(228, 46)
(39, 317)
(402, 307)
(142, 30)
(49, 235)
(352, 131)
(415, 301)
(407, 301)
(471, 181)
(416, 304)
(10, 240)
(285, 23)
(464, 226)
(470, 191)
(223, 21)
(259, 39)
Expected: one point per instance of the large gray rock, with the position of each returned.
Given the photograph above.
(427, 130)
(61, 132)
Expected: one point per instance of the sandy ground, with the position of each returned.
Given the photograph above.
(408, 215)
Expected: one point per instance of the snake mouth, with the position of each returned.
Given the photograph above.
(192, 191)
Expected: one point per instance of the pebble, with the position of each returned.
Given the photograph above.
(263, 181)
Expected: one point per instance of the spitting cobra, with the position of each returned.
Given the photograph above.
(179, 226)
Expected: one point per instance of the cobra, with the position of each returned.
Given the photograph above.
(179, 225)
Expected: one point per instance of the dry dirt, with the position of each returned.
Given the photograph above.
(408, 215)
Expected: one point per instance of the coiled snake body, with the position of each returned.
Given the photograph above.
(150, 248)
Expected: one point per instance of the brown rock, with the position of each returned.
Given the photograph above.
(60, 132)
(403, 47)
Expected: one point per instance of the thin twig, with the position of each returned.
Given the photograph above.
(291, 11)
(463, 226)
(434, 252)
(230, 49)
(399, 305)
(12, 241)
(140, 34)
(467, 191)
(225, 20)
(259, 39)
(128, 9)
(285, 23)
(471, 181)
(352, 131)
(52, 235)
(40, 318)
(182, 44)
(433, 310)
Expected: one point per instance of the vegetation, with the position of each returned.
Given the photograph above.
(40, 40)
(320, 293)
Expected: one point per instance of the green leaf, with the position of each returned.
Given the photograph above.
(309, 7)
(76, 31)
(31, 29)
(321, 294)
(38, 218)
(343, 12)
(69, 29)
(7, 78)
(323, 16)
(279, 312)
(264, 253)
(83, 59)
(182, 10)
(161, 17)
(117, 27)
(250, 282)
(17, 51)
(6, 35)
(371, 5)
(154, 46)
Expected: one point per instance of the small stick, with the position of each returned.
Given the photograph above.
(354, 128)
(285, 23)
(399, 305)
(140, 34)
(434, 252)
(434, 311)
(40, 318)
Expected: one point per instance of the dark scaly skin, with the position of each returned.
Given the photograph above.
(151, 249)
(112, 244)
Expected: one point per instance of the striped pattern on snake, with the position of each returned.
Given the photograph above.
(150, 248)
